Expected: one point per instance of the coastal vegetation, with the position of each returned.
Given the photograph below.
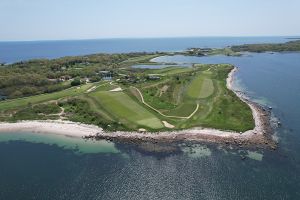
(211, 51)
(237, 50)
(42, 76)
(106, 91)
(288, 46)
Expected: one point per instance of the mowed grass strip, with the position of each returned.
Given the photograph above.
(94, 105)
(22, 102)
(172, 70)
(141, 58)
(207, 88)
(122, 106)
(201, 87)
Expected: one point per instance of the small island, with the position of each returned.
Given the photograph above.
(130, 97)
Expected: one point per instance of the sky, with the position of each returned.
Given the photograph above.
(93, 19)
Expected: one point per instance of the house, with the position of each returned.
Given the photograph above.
(106, 75)
(64, 78)
(86, 80)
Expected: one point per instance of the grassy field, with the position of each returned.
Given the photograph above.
(126, 109)
(229, 113)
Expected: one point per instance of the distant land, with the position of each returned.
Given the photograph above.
(293, 38)
(11, 52)
(288, 46)
(238, 49)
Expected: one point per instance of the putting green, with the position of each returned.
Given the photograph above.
(123, 107)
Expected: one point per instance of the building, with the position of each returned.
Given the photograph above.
(106, 75)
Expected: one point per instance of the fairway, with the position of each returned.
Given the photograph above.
(207, 88)
(94, 105)
(201, 87)
(172, 70)
(123, 107)
(22, 102)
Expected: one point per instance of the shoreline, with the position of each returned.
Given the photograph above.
(261, 135)
(55, 127)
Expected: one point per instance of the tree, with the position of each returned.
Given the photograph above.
(76, 82)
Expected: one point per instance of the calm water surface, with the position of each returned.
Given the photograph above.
(18, 51)
(39, 167)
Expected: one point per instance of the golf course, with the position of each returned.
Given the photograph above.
(131, 99)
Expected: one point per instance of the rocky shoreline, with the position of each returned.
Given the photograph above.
(260, 136)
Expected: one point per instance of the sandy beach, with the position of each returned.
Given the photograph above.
(58, 127)
(261, 134)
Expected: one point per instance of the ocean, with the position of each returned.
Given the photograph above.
(19, 51)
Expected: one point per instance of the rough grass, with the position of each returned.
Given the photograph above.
(160, 96)
(80, 110)
(36, 112)
(123, 107)
(183, 110)
(230, 113)
(157, 102)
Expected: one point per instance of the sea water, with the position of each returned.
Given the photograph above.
(18, 51)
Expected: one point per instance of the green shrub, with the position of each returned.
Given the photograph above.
(76, 82)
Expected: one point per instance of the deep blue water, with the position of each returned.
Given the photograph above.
(17, 51)
(57, 171)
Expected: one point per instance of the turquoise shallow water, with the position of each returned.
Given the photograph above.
(43, 167)
(78, 145)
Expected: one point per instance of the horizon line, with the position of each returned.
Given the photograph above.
(162, 37)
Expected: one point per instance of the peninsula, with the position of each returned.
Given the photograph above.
(114, 96)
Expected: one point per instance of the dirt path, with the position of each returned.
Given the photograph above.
(169, 116)
(61, 114)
